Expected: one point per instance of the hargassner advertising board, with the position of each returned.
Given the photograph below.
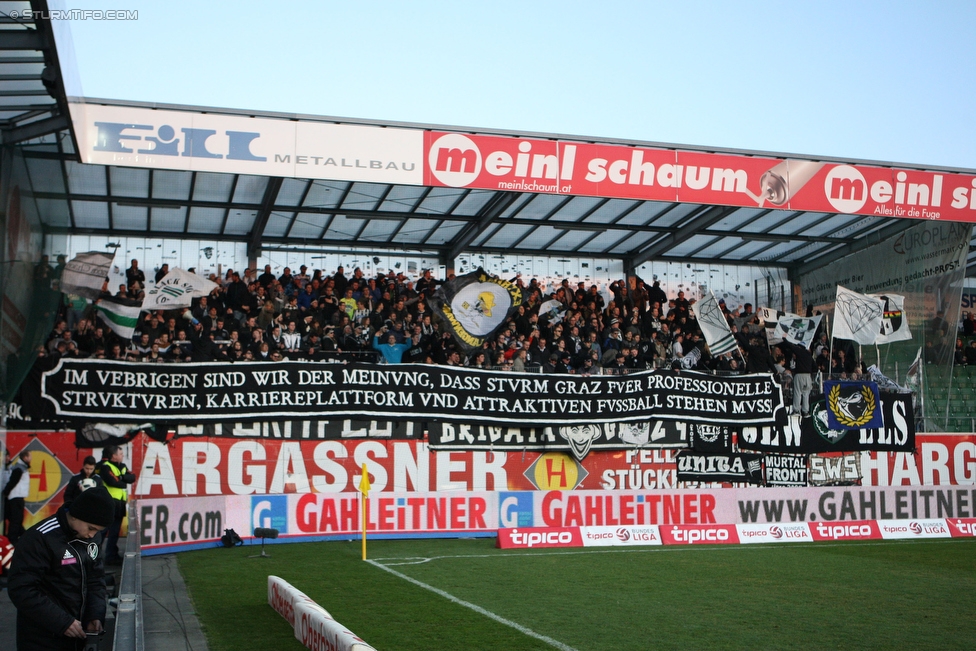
(194, 141)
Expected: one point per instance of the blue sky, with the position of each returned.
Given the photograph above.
(887, 81)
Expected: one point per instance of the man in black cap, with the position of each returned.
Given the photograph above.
(57, 578)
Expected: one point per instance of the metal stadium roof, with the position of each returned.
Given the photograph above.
(113, 200)
(32, 96)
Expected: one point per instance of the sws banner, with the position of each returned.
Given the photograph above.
(110, 391)
(812, 435)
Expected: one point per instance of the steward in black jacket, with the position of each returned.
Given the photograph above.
(57, 578)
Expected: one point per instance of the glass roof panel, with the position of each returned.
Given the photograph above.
(777, 250)
(631, 242)
(767, 221)
(402, 198)
(171, 185)
(212, 187)
(610, 211)
(747, 250)
(688, 246)
(325, 194)
(517, 205)
(808, 252)
(379, 230)
(644, 213)
(445, 233)
(250, 189)
(576, 208)
(277, 225)
(309, 225)
(734, 220)
(474, 202)
(85, 179)
(570, 241)
(721, 245)
(506, 237)
(130, 218)
(291, 192)
(416, 230)
(542, 205)
(599, 243)
(90, 214)
(129, 182)
(540, 237)
(343, 228)
(45, 175)
(240, 222)
(54, 212)
(167, 219)
(675, 216)
(440, 200)
(206, 220)
(364, 196)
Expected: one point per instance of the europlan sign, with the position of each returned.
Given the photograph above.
(213, 142)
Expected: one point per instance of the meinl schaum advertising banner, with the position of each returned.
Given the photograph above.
(113, 391)
(671, 175)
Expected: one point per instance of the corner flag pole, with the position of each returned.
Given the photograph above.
(364, 489)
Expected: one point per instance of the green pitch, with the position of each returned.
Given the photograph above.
(465, 594)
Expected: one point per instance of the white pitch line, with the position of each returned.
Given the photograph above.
(478, 609)
(417, 560)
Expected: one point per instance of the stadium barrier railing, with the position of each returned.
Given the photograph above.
(129, 630)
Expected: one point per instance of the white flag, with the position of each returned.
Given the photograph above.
(86, 274)
(894, 322)
(176, 289)
(712, 322)
(798, 330)
(770, 315)
(122, 316)
(857, 316)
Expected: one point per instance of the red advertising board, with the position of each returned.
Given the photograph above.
(618, 171)
(699, 534)
(529, 537)
(939, 459)
(849, 530)
(962, 527)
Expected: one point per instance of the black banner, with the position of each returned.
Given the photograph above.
(835, 470)
(811, 435)
(786, 469)
(710, 438)
(475, 306)
(740, 468)
(192, 393)
(578, 439)
(308, 429)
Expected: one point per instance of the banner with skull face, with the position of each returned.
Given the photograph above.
(474, 306)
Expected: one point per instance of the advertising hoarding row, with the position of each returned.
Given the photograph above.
(213, 142)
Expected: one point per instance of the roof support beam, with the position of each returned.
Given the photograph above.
(488, 214)
(702, 221)
(264, 213)
(35, 129)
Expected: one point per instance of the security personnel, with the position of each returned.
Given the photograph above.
(57, 578)
(15, 492)
(116, 478)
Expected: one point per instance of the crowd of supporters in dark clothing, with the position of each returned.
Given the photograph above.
(303, 315)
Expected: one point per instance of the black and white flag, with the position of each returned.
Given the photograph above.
(474, 306)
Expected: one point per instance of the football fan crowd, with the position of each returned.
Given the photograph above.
(313, 315)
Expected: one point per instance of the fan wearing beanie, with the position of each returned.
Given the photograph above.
(57, 577)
